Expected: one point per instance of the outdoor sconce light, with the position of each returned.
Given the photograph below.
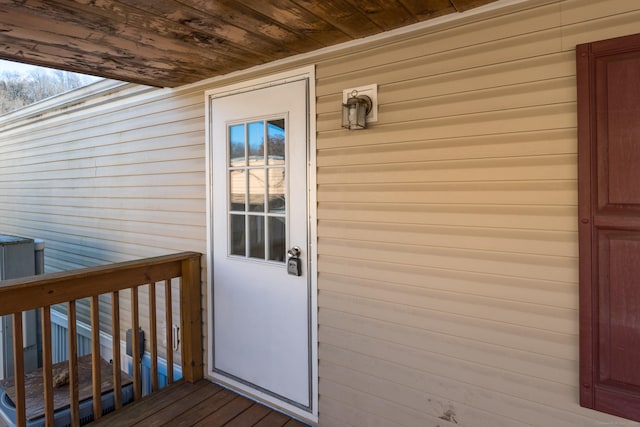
(355, 110)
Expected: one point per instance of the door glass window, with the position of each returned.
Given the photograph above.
(257, 189)
(237, 146)
(236, 234)
(237, 193)
(256, 143)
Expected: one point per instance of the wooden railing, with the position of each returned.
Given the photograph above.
(41, 292)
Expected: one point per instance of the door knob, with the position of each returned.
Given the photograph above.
(294, 252)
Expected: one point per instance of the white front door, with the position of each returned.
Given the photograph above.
(259, 211)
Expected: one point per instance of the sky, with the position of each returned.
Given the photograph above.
(17, 67)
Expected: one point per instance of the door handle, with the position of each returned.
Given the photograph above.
(294, 252)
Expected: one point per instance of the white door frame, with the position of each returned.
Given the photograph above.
(306, 73)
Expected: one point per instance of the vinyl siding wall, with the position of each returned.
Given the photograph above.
(116, 178)
(448, 286)
(447, 231)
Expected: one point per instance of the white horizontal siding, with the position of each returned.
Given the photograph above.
(122, 180)
(113, 180)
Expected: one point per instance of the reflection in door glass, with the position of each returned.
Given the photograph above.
(277, 239)
(256, 236)
(237, 233)
(237, 190)
(256, 190)
(236, 146)
(276, 190)
(275, 142)
(256, 144)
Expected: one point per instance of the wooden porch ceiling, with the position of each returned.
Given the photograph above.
(175, 42)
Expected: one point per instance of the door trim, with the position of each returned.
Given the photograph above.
(306, 73)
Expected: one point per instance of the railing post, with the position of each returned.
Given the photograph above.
(168, 321)
(191, 320)
(18, 370)
(153, 337)
(96, 374)
(136, 357)
(115, 333)
(47, 366)
(72, 342)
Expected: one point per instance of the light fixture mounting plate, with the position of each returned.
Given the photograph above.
(372, 92)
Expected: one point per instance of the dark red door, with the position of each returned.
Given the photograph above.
(609, 225)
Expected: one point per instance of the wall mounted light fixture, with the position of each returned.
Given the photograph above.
(355, 110)
(359, 107)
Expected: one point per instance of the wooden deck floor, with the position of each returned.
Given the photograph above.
(199, 404)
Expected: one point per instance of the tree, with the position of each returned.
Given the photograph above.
(19, 90)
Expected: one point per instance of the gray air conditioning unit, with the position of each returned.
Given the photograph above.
(20, 257)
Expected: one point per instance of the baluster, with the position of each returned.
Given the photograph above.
(169, 329)
(115, 333)
(18, 370)
(47, 365)
(96, 381)
(135, 344)
(73, 364)
(153, 338)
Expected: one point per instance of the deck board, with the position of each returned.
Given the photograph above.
(251, 416)
(273, 419)
(180, 408)
(227, 413)
(204, 409)
(200, 404)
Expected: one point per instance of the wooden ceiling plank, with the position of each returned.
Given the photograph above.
(427, 9)
(387, 14)
(254, 22)
(175, 42)
(341, 15)
(136, 25)
(79, 61)
(464, 5)
(80, 37)
(289, 14)
(259, 47)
